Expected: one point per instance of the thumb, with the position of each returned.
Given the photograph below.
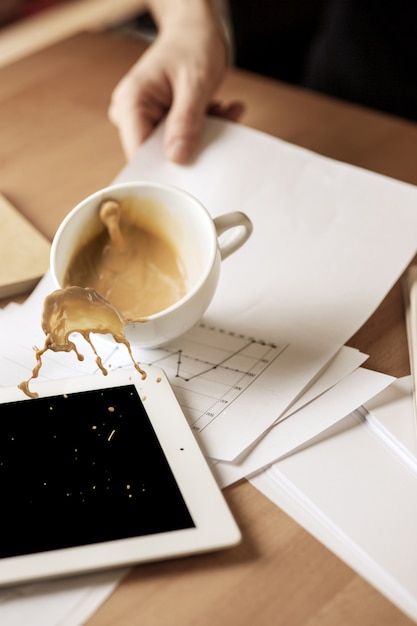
(183, 125)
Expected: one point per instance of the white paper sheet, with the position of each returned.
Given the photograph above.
(329, 241)
(308, 422)
(355, 489)
(65, 602)
(394, 412)
(329, 238)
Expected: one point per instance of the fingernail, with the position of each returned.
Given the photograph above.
(178, 150)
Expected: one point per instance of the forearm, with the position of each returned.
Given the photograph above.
(167, 12)
(202, 16)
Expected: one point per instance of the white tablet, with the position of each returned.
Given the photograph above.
(101, 472)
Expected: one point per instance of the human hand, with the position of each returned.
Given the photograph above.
(176, 77)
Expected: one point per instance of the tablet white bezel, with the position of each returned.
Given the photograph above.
(215, 527)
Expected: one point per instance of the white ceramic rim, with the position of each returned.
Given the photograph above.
(134, 185)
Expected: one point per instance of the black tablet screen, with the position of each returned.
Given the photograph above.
(83, 468)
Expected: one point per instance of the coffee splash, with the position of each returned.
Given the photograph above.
(123, 274)
(135, 268)
(77, 310)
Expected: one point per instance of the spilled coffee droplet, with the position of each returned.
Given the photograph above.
(77, 310)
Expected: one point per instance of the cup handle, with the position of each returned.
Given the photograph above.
(241, 228)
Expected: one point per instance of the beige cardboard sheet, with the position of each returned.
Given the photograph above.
(24, 252)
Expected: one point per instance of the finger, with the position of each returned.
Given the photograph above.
(184, 123)
(133, 130)
(134, 118)
(232, 111)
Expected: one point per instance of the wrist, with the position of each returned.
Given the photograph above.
(167, 12)
(208, 17)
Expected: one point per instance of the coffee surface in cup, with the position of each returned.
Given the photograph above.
(137, 270)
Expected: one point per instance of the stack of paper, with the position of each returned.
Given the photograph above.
(355, 489)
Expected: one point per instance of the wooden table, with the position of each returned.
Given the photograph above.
(56, 147)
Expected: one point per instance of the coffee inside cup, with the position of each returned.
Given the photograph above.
(132, 264)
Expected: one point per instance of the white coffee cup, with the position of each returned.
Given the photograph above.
(201, 242)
